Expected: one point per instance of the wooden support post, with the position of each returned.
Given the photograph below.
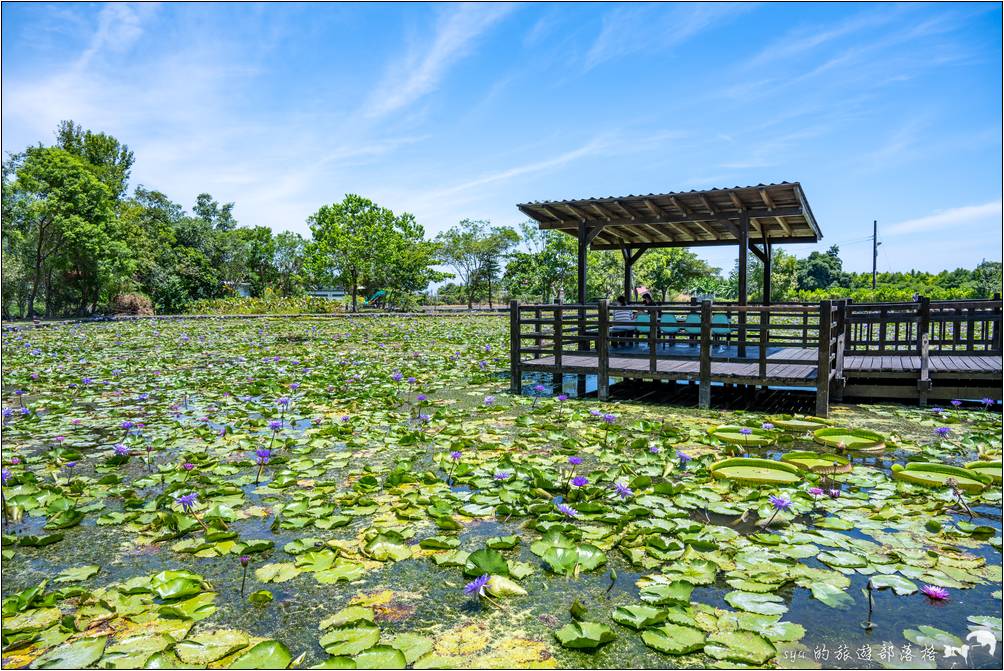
(704, 376)
(841, 331)
(744, 242)
(653, 332)
(924, 349)
(583, 249)
(557, 344)
(995, 324)
(764, 338)
(767, 263)
(628, 281)
(515, 374)
(823, 364)
(602, 357)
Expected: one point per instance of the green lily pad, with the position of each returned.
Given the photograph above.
(745, 647)
(937, 475)
(764, 604)
(381, 657)
(992, 469)
(756, 471)
(818, 462)
(674, 639)
(834, 597)
(733, 434)
(209, 646)
(78, 654)
(485, 561)
(638, 617)
(584, 635)
(350, 640)
(264, 655)
(798, 423)
(897, 583)
(861, 440)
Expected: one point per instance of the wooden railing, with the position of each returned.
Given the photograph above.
(714, 333)
(942, 327)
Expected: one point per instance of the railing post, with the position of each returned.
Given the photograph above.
(996, 323)
(838, 362)
(923, 320)
(764, 339)
(823, 364)
(602, 359)
(704, 376)
(515, 373)
(924, 381)
(653, 331)
(556, 327)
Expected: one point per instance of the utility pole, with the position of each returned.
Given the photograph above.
(875, 244)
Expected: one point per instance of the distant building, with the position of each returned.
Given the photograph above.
(328, 292)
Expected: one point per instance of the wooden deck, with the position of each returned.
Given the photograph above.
(920, 350)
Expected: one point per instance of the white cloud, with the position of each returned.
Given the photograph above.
(631, 29)
(987, 213)
(420, 73)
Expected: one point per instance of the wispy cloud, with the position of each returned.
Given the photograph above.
(986, 213)
(120, 25)
(421, 71)
(632, 29)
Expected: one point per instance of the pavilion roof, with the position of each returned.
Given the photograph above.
(779, 212)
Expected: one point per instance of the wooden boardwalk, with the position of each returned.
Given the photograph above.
(920, 350)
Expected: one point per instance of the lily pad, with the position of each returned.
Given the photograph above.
(737, 435)
(756, 471)
(674, 639)
(937, 475)
(584, 635)
(818, 462)
(993, 469)
(861, 440)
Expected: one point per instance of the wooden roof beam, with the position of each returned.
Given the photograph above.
(620, 206)
(783, 224)
(704, 201)
(602, 212)
(687, 212)
(767, 200)
(582, 216)
(551, 213)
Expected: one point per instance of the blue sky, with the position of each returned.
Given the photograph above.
(887, 111)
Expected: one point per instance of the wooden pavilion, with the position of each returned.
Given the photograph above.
(923, 349)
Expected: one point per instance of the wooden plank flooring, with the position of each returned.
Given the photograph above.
(945, 366)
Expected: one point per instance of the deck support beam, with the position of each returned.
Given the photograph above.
(743, 297)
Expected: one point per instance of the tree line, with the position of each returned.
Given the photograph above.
(75, 241)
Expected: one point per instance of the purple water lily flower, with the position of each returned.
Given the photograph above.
(121, 450)
(580, 481)
(745, 431)
(833, 493)
(594, 412)
(412, 380)
(502, 475)
(275, 424)
(816, 492)
(987, 402)
(245, 560)
(767, 426)
(942, 431)
(780, 502)
(562, 397)
(935, 593)
(126, 425)
(539, 388)
(263, 455)
(489, 400)
(575, 461)
(283, 401)
(396, 376)
(937, 411)
(683, 457)
(609, 419)
(423, 417)
(623, 490)
(654, 450)
(5, 475)
(456, 454)
(478, 585)
(421, 397)
(188, 466)
(187, 501)
(567, 510)
(956, 403)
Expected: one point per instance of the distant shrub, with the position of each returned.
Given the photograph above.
(271, 305)
(132, 304)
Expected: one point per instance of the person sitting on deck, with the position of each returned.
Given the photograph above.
(646, 298)
(621, 313)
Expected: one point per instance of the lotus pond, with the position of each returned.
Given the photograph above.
(364, 493)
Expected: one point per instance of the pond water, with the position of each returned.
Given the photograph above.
(398, 466)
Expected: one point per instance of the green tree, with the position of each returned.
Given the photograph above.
(63, 213)
(288, 252)
(671, 271)
(475, 250)
(822, 270)
(110, 160)
(358, 242)
(547, 265)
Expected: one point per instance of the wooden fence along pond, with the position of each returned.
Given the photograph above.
(921, 350)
